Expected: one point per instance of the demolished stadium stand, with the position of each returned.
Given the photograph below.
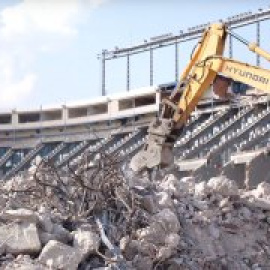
(229, 137)
(223, 136)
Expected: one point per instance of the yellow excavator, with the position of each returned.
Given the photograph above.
(205, 65)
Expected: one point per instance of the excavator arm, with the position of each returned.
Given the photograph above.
(254, 76)
(205, 64)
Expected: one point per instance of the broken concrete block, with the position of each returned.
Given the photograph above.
(201, 189)
(45, 237)
(86, 241)
(24, 263)
(263, 190)
(148, 203)
(61, 234)
(141, 181)
(164, 200)
(259, 203)
(129, 247)
(225, 202)
(57, 255)
(21, 215)
(18, 182)
(171, 185)
(223, 185)
(171, 243)
(168, 219)
(162, 223)
(142, 263)
(20, 238)
(187, 184)
(55, 232)
(45, 220)
(258, 170)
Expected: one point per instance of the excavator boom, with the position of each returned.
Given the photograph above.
(206, 63)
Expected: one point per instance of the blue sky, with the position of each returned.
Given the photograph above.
(48, 48)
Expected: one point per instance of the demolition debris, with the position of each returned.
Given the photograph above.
(96, 217)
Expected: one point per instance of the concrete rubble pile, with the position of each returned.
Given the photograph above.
(53, 220)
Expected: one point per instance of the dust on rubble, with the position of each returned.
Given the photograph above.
(97, 217)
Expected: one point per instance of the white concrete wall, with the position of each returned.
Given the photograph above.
(105, 109)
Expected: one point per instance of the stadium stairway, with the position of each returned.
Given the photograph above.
(56, 151)
(76, 151)
(182, 143)
(25, 161)
(213, 135)
(6, 156)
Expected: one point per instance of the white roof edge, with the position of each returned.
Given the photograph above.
(85, 102)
